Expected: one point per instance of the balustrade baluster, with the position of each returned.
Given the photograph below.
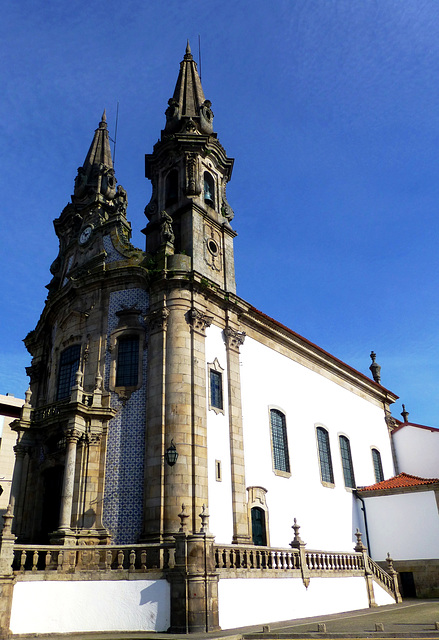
(108, 559)
(60, 560)
(22, 560)
(120, 559)
(35, 560)
(132, 560)
(143, 560)
(48, 559)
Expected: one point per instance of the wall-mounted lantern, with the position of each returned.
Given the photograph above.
(171, 454)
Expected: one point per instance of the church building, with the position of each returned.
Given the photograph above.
(176, 442)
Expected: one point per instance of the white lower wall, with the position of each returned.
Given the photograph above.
(264, 600)
(63, 607)
(381, 595)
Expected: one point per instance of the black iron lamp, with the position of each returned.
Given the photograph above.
(171, 454)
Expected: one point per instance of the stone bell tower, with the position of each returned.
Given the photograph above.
(191, 239)
(70, 470)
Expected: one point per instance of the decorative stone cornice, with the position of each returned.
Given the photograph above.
(198, 320)
(234, 338)
(158, 320)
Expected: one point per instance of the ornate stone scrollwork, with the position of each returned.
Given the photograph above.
(234, 338)
(390, 420)
(192, 186)
(158, 320)
(198, 320)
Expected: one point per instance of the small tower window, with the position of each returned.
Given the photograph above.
(127, 370)
(68, 366)
(209, 189)
(171, 188)
(377, 466)
(259, 535)
(216, 389)
(326, 472)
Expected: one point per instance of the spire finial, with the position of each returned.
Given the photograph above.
(188, 53)
(188, 47)
(404, 413)
(103, 122)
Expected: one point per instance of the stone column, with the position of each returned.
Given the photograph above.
(234, 339)
(65, 517)
(194, 585)
(15, 497)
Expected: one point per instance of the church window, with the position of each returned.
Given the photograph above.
(326, 472)
(346, 461)
(215, 382)
(259, 535)
(68, 366)
(216, 389)
(377, 466)
(279, 442)
(127, 369)
(171, 188)
(209, 189)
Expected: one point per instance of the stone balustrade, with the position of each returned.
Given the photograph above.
(327, 561)
(251, 557)
(380, 574)
(64, 559)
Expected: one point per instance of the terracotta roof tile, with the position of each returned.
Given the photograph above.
(401, 480)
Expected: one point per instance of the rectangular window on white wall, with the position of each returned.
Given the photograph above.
(377, 466)
(325, 458)
(279, 442)
(346, 461)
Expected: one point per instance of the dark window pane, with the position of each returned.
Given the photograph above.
(127, 371)
(346, 461)
(377, 466)
(171, 188)
(279, 439)
(259, 535)
(68, 366)
(216, 389)
(325, 455)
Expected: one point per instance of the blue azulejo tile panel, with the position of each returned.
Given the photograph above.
(123, 494)
(112, 253)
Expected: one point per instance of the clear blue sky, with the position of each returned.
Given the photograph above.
(331, 110)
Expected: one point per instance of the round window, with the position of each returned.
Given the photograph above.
(213, 247)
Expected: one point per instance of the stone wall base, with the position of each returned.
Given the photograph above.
(425, 577)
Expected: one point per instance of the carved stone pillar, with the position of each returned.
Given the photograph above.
(234, 339)
(15, 498)
(69, 480)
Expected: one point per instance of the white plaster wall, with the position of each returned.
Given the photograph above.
(119, 605)
(381, 596)
(417, 451)
(328, 516)
(405, 525)
(265, 600)
(218, 447)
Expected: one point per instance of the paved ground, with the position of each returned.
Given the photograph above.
(410, 619)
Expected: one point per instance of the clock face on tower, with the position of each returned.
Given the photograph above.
(85, 234)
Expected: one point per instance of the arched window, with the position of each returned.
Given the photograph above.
(346, 461)
(127, 368)
(281, 459)
(171, 188)
(68, 366)
(326, 472)
(209, 189)
(377, 466)
(259, 534)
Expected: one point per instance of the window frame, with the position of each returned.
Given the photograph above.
(284, 473)
(326, 483)
(72, 376)
(129, 325)
(122, 366)
(217, 369)
(346, 461)
(257, 499)
(375, 450)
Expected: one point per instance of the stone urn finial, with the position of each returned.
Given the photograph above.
(375, 368)
(359, 546)
(404, 413)
(204, 515)
(297, 541)
(183, 517)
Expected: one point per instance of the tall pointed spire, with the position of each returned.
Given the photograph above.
(188, 109)
(96, 176)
